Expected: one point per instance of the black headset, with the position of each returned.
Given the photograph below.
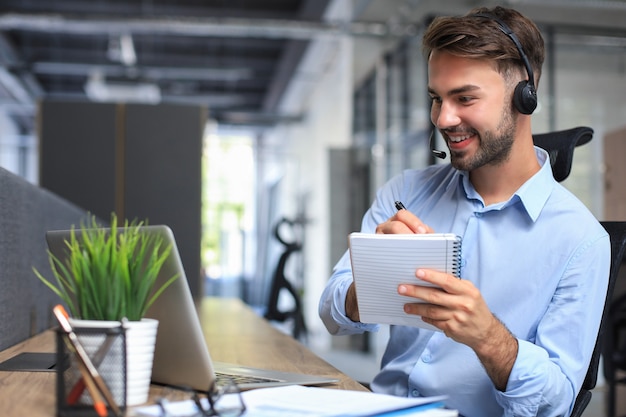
(525, 94)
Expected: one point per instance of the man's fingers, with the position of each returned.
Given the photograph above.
(412, 222)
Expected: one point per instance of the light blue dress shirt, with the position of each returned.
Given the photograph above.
(541, 261)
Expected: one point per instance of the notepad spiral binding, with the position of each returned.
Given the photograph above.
(457, 260)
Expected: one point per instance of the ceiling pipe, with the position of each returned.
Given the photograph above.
(170, 73)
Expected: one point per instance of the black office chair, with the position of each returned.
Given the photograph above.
(280, 282)
(560, 146)
(614, 337)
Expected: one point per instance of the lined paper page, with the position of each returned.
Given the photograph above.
(381, 262)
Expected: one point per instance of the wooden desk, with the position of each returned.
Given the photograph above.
(234, 334)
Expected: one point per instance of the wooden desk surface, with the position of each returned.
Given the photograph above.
(241, 337)
(234, 334)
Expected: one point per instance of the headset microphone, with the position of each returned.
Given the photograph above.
(439, 154)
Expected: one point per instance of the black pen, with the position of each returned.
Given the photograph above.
(400, 206)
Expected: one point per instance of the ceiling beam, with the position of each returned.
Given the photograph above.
(262, 119)
(189, 26)
(312, 10)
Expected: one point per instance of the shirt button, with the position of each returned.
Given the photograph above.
(415, 393)
(426, 358)
(479, 215)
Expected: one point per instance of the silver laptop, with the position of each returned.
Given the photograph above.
(181, 355)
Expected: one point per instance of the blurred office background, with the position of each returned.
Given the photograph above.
(293, 113)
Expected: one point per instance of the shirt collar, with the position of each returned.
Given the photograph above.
(533, 194)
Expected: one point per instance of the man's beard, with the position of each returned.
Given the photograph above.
(494, 147)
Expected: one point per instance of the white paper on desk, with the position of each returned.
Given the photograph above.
(326, 402)
(303, 401)
(381, 262)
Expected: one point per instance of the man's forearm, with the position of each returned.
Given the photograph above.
(498, 355)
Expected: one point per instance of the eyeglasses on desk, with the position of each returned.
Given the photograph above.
(222, 400)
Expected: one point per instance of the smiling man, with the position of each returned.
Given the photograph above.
(519, 328)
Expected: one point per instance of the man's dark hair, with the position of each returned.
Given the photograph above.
(477, 37)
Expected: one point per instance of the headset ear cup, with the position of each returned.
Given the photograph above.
(525, 97)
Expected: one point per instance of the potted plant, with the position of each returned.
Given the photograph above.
(109, 275)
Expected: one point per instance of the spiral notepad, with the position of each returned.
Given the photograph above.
(381, 262)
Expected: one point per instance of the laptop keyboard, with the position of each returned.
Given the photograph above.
(223, 379)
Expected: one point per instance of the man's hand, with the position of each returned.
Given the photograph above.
(459, 310)
(352, 308)
(403, 222)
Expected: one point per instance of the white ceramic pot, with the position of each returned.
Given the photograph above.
(140, 342)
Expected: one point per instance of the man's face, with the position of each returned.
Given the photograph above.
(471, 107)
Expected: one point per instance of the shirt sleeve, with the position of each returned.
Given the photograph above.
(549, 371)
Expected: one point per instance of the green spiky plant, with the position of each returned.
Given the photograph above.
(109, 274)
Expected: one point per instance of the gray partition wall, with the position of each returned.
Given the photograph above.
(26, 213)
(140, 161)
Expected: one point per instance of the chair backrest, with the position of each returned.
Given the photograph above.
(617, 233)
(560, 146)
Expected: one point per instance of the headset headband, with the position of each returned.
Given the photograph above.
(509, 32)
